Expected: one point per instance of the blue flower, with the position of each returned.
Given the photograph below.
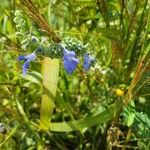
(70, 61)
(27, 60)
(87, 61)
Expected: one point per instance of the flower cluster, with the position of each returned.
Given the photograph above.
(70, 60)
(70, 51)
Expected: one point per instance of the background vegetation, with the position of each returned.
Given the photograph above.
(104, 108)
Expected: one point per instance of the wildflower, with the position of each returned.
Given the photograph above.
(27, 60)
(87, 61)
(119, 92)
(70, 61)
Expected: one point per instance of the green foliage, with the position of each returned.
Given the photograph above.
(104, 108)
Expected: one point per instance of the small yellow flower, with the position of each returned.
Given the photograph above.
(119, 92)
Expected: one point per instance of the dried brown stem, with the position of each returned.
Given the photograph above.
(34, 14)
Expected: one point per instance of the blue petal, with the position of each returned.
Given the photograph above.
(87, 61)
(71, 65)
(27, 59)
(70, 61)
(21, 58)
(25, 66)
(31, 57)
(69, 53)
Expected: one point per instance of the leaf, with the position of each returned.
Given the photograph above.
(130, 119)
(9, 136)
(100, 118)
(34, 77)
(50, 79)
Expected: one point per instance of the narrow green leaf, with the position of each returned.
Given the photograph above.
(100, 118)
(21, 111)
(9, 136)
(34, 77)
(4, 28)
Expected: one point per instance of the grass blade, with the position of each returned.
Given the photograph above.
(100, 118)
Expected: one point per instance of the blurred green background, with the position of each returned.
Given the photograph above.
(118, 34)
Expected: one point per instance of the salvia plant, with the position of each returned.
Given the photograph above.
(70, 50)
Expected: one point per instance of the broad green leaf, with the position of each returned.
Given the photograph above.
(50, 79)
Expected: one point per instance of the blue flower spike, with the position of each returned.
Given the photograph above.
(70, 61)
(27, 59)
(87, 61)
